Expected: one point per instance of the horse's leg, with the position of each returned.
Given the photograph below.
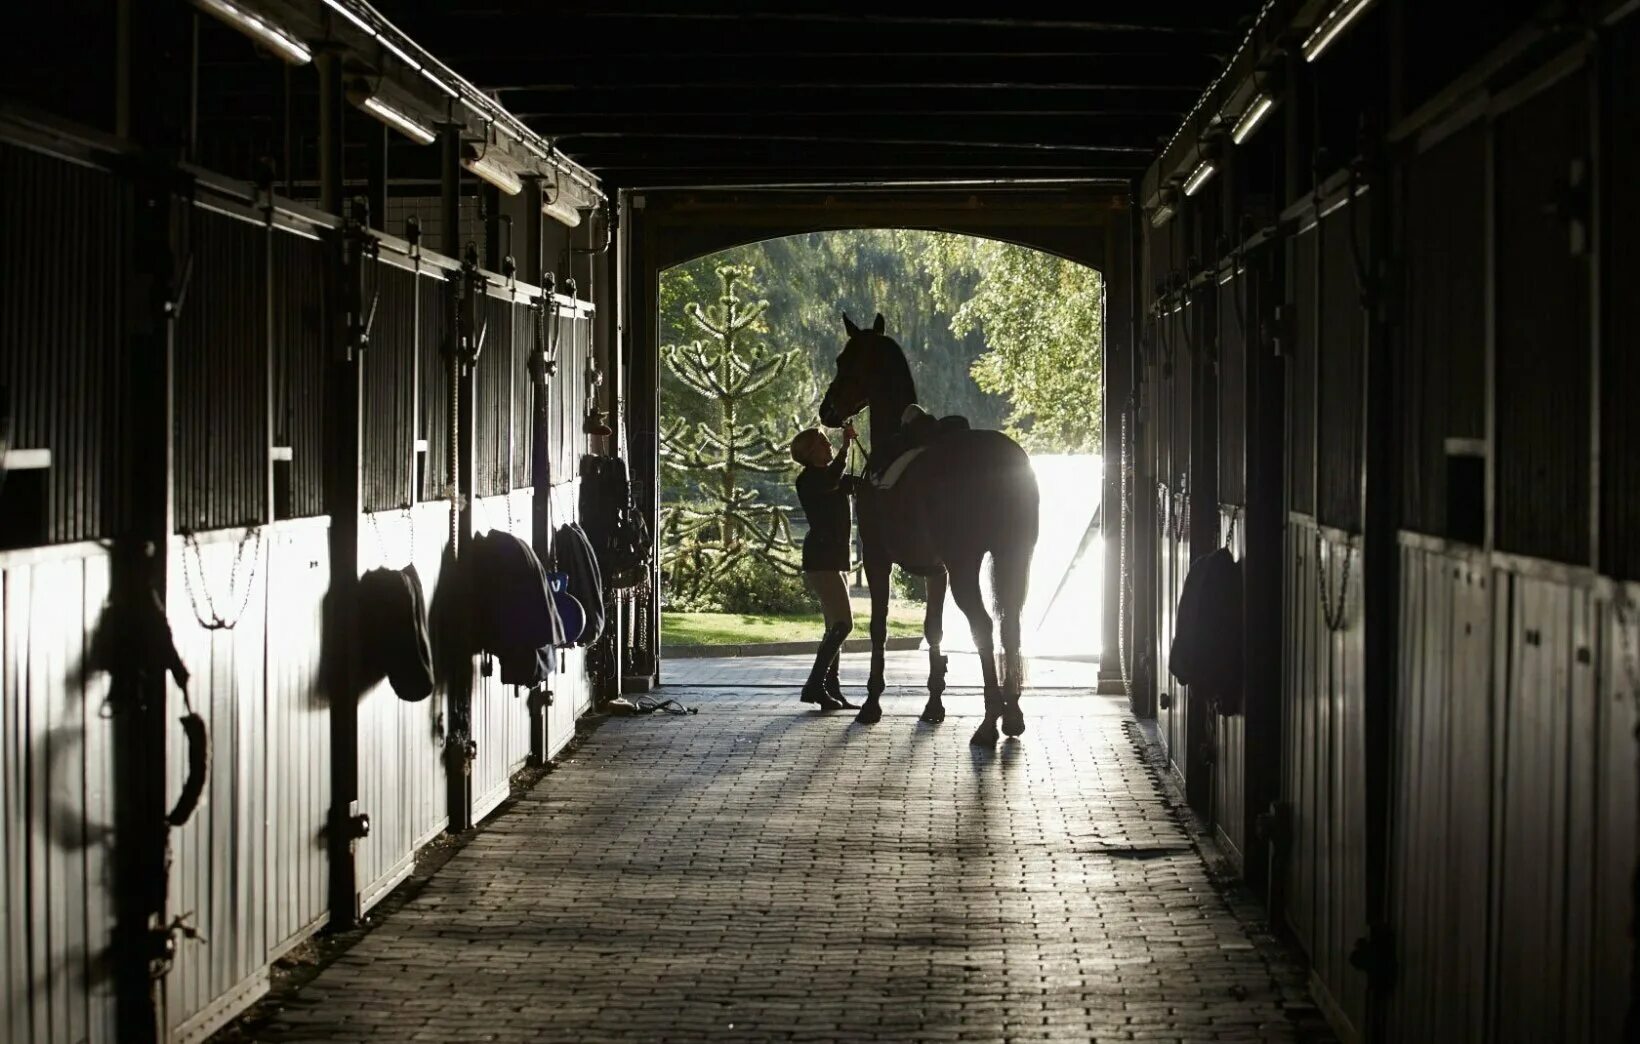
(877, 569)
(964, 578)
(1011, 574)
(933, 631)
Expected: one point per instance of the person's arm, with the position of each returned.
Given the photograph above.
(834, 470)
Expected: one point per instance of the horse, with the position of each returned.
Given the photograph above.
(968, 493)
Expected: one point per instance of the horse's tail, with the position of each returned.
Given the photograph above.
(1011, 571)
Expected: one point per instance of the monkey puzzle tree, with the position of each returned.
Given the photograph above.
(729, 368)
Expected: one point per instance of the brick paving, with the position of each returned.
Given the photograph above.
(759, 871)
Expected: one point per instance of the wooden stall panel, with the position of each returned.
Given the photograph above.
(1230, 748)
(500, 712)
(1616, 854)
(1442, 797)
(219, 857)
(56, 799)
(401, 775)
(1323, 766)
(297, 761)
(1533, 799)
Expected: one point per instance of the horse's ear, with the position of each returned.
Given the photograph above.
(848, 324)
(877, 327)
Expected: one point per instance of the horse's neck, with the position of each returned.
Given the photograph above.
(887, 412)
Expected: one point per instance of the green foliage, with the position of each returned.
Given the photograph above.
(729, 369)
(1005, 335)
(909, 587)
(745, 585)
(1042, 318)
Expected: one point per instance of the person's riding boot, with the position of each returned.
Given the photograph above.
(814, 690)
(834, 687)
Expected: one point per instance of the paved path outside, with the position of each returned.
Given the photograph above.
(760, 871)
(904, 668)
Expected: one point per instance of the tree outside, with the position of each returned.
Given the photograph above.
(1008, 336)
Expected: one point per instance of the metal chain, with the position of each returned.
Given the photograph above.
(376, 531)
(1332, 615)
(217, 622)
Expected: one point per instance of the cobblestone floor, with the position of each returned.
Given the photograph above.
(759, 871)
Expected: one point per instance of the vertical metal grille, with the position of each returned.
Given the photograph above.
(1542, 349)
(1301, 373)
(1234, 307)
(493, 420)
(389, 390)
(1620, 360)
(1341, 383)
(433, 427)
(1443, 371)
(522, 420)
(299, 368)
(1180, 409)
(63, 229)
(222, 376)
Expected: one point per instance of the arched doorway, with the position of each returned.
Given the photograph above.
(1008, 335)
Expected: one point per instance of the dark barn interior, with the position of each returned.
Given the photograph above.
(297, 294)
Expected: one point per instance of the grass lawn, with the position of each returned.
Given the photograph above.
(746, 629)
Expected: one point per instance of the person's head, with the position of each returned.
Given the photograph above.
(811, 447)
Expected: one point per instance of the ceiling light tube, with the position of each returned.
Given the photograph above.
(1327, 30)
(1250, 119)
(362, 96)
(1199, 176)
(562, 212)
(1167, 199)
(488, 168)
(347, 12)
(285, 46)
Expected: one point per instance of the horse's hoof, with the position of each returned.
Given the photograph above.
(1013, 721)
(934, 713)
(870, 714)
(985, 735)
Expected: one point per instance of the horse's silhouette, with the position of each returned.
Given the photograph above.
(968, 493)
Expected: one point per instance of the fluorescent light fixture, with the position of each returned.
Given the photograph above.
(1327, 30)
(491, 170)
(346, 12)
(1260, 108)
(416, 131)
(562, 212)
(402, 54)
(287, 47)
(1161, 215)
(1199, 176)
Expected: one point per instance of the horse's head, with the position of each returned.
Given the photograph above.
(850, 390)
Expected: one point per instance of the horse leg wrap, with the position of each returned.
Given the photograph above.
(936, 675)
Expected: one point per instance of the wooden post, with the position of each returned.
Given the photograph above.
(343, 502)
(152, 111)
(459, 745)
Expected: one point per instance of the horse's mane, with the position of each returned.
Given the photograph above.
(896, 369)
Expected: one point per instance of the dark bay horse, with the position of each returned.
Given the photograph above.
(967, 494)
